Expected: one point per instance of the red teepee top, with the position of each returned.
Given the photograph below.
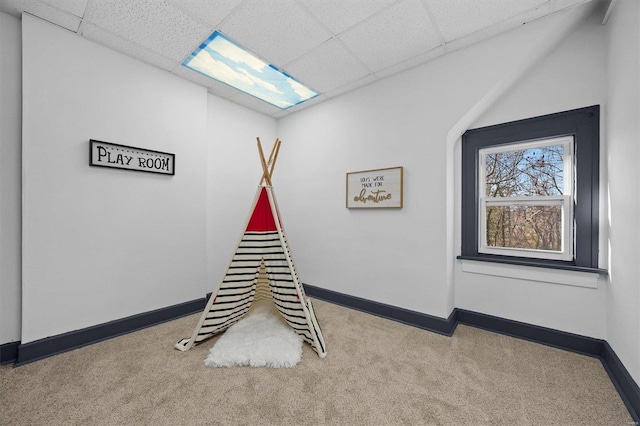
(262, 219)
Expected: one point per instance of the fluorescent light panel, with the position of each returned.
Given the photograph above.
(224, 60)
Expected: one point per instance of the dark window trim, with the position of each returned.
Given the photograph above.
(584, 125)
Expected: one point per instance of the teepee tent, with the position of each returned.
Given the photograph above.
(261, 268)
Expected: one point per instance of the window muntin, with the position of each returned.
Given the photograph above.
(526, 197)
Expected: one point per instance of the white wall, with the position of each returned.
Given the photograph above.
(398, 257)
(233, 177)
(10, 177)
(571, 76)
(623, 136)
(102, 244)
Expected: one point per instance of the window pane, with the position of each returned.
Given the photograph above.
(527, 172)
(525, 227)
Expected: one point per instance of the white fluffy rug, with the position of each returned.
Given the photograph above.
(261, 339)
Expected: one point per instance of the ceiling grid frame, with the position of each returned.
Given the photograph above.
(332, 22)
(334, 37)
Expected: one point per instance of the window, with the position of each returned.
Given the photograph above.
(526, 198)
(530, 191)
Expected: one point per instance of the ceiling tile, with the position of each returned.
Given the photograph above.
(327, 67)
(351, 86)
(155, 25)
(277, 31)
(210, 12)
(214, 86)
(395, 35)
(75, 7)
(105, 38)
(458, 18)
(300, 107)
(497, 28)
(564, 4)
(254, 103)
(12, 7)
(43, 11)
(412, 62)
(338, 15)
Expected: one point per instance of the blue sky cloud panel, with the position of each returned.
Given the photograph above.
(221, 59)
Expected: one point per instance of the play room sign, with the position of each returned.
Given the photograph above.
(105, 154)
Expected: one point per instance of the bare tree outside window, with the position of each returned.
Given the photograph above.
(532, 172)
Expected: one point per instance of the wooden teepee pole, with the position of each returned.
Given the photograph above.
(273, 156)
(266, 176)
(276, 148)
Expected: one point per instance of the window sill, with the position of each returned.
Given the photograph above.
(522, 269)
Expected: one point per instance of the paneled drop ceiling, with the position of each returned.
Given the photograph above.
(332, 46)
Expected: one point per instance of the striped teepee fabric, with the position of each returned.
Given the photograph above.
(263, 244)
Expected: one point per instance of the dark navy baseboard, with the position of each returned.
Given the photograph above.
(405, 316)
(622, 380)
(9, 352)
(546, 336)
(620, 377)
(46, 347)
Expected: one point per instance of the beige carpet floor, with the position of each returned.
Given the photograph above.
(377, 372)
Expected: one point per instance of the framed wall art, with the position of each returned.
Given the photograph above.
(371, 189)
